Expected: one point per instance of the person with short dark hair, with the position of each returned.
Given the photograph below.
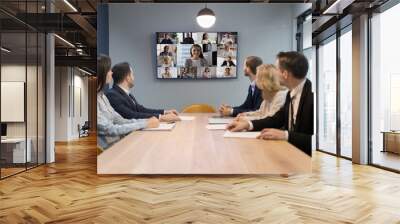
(254, 98)
(166, 39)
(110, 125)
(166, 51)
(228, 62)
(227, 72)
(294, 122)
(125, 103)
(167, 73)
(187, 38)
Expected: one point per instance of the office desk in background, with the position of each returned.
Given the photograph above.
(192, 149)
(13, 150)
(391, 141)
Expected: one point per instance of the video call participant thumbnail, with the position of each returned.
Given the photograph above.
(228, 62)
(167, 39)
(166, 51)
(167, 73)
(196, 57)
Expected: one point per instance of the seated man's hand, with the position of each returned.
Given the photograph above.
(243, 114)
(172, 111)
(169, 118)
(225, 110)
(272, 134)
(241, 119)
(238, 125)
(153, 122)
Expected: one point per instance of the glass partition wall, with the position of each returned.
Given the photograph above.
(22, 77)
(346, 95)
(334, 94)
(327, 96)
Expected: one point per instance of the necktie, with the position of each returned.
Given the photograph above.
(252, 87)
(291, 126)
(133, 99)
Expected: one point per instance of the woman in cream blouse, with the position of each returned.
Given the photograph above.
(110, 125)
(274, 95)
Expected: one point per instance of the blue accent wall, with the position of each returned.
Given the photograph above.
(102, 29)
(263, 30)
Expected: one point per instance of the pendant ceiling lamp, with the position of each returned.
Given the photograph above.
(206, 17)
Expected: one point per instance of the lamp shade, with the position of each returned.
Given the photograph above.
(206, 18)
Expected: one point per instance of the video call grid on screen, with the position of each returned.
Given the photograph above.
(197, 55)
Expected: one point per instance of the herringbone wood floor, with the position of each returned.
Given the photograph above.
(69, 191)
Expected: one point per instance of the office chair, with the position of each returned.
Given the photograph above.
(84, 130)
(199, 108)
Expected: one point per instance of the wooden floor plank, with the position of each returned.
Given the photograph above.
(70, 191)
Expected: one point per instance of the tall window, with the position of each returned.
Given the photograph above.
(346, 94)
(385, 88)
(327, 96)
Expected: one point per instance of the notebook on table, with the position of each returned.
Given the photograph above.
(162, 127)
(243, 134)
(220, 120)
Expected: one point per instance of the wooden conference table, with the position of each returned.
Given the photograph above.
(190, 148)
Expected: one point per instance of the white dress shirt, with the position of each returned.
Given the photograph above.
(295, 95)
(125, 90)
(253, 87)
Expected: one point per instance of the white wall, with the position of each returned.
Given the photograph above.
(33, 126)
(69, 82)
(17, 73)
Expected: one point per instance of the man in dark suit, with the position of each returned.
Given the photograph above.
(294, 122)
(254, 98)
(125, 103)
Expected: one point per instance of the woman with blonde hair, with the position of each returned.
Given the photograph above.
(273, 94)
(167, 61)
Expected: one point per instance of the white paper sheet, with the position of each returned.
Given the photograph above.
(187, 118)
(229, 134)
(216, 126)
(162, 127)
(213, 120)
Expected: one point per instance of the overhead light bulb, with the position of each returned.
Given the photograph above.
(206, 18)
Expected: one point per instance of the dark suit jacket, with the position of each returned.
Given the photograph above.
(166, 41)
(301, 136)
(226, 63)
(127, 106)
(252, 102)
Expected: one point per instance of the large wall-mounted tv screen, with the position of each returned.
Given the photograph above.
(196, 55)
